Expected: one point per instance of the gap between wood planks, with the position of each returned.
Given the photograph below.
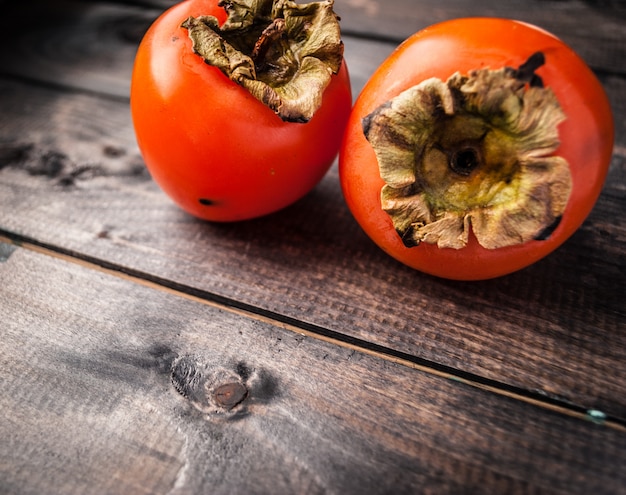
(317, 332)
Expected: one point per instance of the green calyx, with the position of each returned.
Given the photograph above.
(473, 152)
(283, 53)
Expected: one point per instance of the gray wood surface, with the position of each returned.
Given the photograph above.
(94, 197)
(594, 28)
(357, 373)
(112, 387)
(74, 191)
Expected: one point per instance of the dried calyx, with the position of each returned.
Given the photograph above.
(282, 52)
(473, 152)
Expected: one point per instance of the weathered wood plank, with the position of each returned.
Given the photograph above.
(93, 148)
(76, 182)
(112, 387)
(91, 45)
(594, 28)
(80, 45)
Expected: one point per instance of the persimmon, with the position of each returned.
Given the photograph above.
(477, 148)
(239, 107)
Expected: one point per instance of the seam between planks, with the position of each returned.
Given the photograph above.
(317, 332)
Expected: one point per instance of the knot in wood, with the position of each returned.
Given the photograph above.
(229, 395)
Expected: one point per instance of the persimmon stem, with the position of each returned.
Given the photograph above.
(270, 34)
(283, 53)
(464, 161)
(526, 72)
(475, 152)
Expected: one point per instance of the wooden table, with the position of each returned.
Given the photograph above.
(145, 351)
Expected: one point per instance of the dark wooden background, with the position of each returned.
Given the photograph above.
(145, 351)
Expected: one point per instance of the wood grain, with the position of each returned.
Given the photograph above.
(89, 45)
(109, 387)
(144, 351)
(556, 328)
(73, 178)
(594, 28)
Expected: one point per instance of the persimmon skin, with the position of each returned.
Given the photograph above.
(216, 151)
(462, 45)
